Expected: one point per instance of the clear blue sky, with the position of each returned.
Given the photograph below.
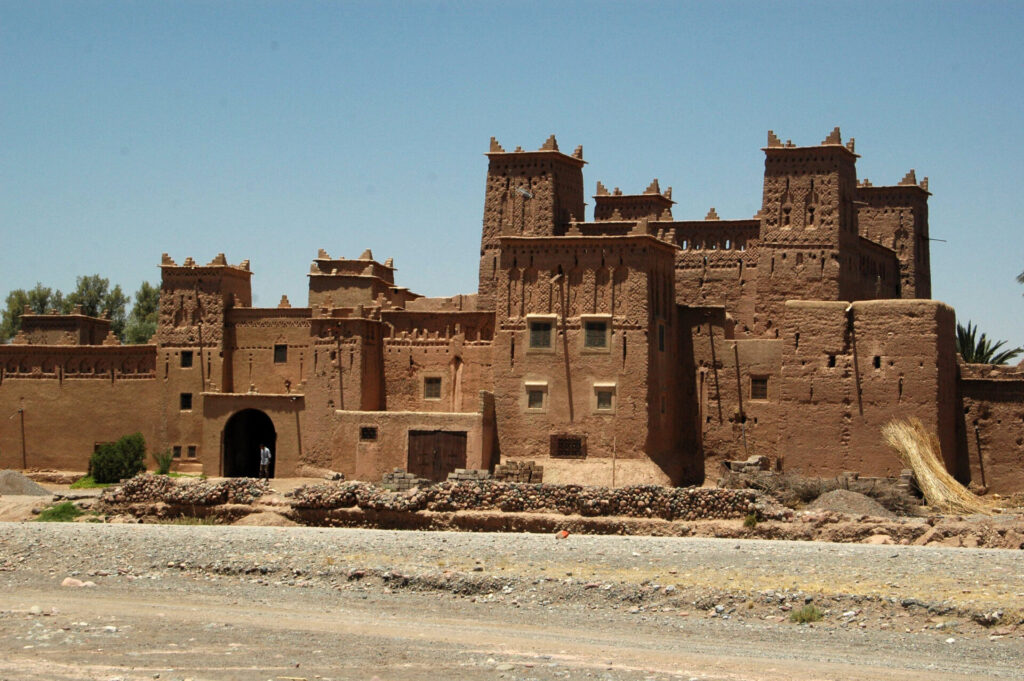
(267, 130)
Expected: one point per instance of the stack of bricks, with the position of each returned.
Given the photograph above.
(400, 480)
(519, 471)
(469, 475)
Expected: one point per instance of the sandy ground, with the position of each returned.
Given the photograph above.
(217, 602)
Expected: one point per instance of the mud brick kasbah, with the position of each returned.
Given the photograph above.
(634, 348)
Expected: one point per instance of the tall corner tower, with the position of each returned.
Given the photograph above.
(529, 193)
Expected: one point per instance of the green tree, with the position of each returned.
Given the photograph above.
(143, 317)
(95, 295)
(980, 350)
(40, 300)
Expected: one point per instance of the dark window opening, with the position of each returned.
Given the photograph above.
(759, 388)
(186, 359)
(604, 400)
(540, 334)
(831, 360)
(280, 354)
(191, 451)
(877, 361)
(185, 401)
(535, 398)
(595, 334)
(568, 447)
(432, 388)
(176, 451)
(368, 433)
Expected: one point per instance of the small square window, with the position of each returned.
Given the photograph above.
(540, 334)
(191, 451)
(280, 354)
(604, 399)
(595, 333)
(186, 359)
(759, 388)
(186, 401)
(432, 388)
(534, 398)
(368, 433)
(176, 451)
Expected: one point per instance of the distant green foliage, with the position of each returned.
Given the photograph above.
(143, 318)
(87, 482)
(39, 300)
(119, 460)
(750, 520)
(808, 613)
(980, 350)
(163, 460)
(94, 294)
(63, 512)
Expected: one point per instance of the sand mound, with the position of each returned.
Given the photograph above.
(13, 482)
(265, 519)
(854, 503)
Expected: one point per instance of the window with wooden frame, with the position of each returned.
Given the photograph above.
(432, 388)
(540, 332)
(596, 332)
(759, 387)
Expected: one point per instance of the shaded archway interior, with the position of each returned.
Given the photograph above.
(244, 433)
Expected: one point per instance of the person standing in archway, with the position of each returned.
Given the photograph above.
(264, 461)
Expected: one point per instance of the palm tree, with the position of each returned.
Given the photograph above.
(981, 350)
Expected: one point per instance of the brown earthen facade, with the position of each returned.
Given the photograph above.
(635, 348)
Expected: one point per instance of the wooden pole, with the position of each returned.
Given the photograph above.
(24, 456)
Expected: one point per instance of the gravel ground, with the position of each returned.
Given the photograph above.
(218, 602)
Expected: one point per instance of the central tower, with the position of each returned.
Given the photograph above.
(529, 193)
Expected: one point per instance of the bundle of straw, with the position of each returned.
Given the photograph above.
(920, 450)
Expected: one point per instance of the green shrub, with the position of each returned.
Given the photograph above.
(808, 613)
(750, 520)
(63, 512)
(119, 460)
(163, 460)
(87, 482)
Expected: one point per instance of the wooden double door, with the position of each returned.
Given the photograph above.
(433, 454)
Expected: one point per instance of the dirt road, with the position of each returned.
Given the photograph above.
(174, 602)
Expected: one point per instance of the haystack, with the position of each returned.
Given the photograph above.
(919, 448)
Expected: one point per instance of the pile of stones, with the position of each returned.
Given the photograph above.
(519, 471)
(641, 501)
(399, 480)
(153, 488)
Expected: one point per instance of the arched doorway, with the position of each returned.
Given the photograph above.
(244, 433)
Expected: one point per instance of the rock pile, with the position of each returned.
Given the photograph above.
(13, 482)
(151, 488)
(519, 471)
(641, 501)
